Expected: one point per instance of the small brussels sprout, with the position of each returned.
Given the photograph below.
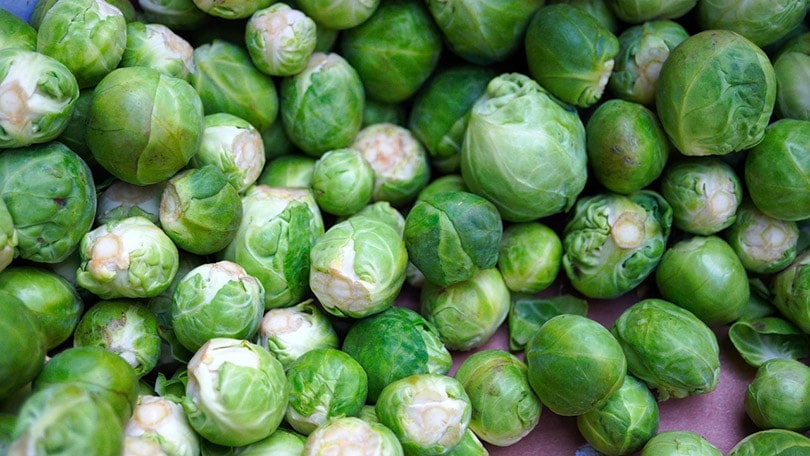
(764, 244)
(127, 258)
(181, 15)
(703, 275)
(342, 181)
(288, 170)
(164, 422)
(729, 70)
(760, 339)
(529, 257)
(16, 32)
(777, 395)
(232, 9)
(564, 348)
(771, 441)
(159, 47)
(282, 442)
(20, 328)
(289, 332)
(121, 199)
(762, 22)
(236, 392)
(280, 39)
(233, 145)
(792, 67)
(791, 291)
(668, 348)
(678, 443)
(529, 312)
(350, 435)
(429, 413)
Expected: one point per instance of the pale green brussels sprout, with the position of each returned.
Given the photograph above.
(764, 244)
(627, 147)
(200, 210)
(570, 53)
(792, 67)
(791, 291)
(613, 242)
(127, 258)
(20, 328)
(273, 243)
(176, 14)
(87, 36)
(704, 193)
(668, 348)
(289, 332)
(624, 423)
(40, 8)
(236, 392)
(16, 32)
(228, 81)
(348, 436)
(55, 302)
(282, 442)
(563, 348)
(163, 421)
(124, 327)
(39, 94)
(730, 71)
(405, 344)
(600, 9)
(529, 256)
(762, 22)
(159, 47)
(636, 11)
(280, 39)
(357, 267)
(322, 106)
(232, 9)
(771, 441)
(523, 150)
(429, 413)
(324, 383)
(342, 181)
(383, 211)
(216, 300)
(505, 409)
(529, 312)
(121, 199)
(703, 275)
(679, 443)
(478, 40)
(288, 170)
(50, 194)
(761, 339)
(395, 50)
(777, 395)
(233, 145)
(777, 170)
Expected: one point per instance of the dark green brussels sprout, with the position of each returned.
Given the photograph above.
(732, 73)
(529, 257)
(16, 32)
(288, 170)
(778, 394)
(338, 14)
(352, 435)
(668, 348)
(760, 339)
(342, 181)
(771, 441)
(164, 422)
(679, 443)
(764, 244)
(289, 332)
(791, 291)
(20, 328)
(395, 50)
(792, 67)
(159, 47)
(282, 442)
(178, 15)
(280, 39)
(121, 199)
(232, 9)
(762, 22)
(529, 312)
(570, 53)
(635, 11)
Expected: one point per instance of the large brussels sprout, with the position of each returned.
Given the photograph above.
(636, 11)
(289, 332)
(762, 22)
(20, 329)
(678, 443)
(529, 257)
(792, 67)
(771, 441)
(777, 395)
(791, 291)
(346, 436)
(523, 150)
(764, 244)
(280, 39)
(737, 79)
(164, 422)
(159, 47)
(342, 181)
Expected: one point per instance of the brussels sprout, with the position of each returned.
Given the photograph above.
(429, 413)
(384, 212)
(342, 181)
(703, 275)
(176, 14)
(41, 93)
(529, 312)
(232, 9)
(236, 392)
(159, 47)
(16, 32)
(791, 291)
(730, 71)
(288, 170)
(322, 106)
(760, 339)
(562, 351)
(777, 395)
(20, 328)
(233, 145)
(349, 436)
(570, 53)
(280, 39)
(635, 11)
(613, 242)
(289, 332)
(764, 244)
(529, 256)
(792, 67)
(762, 22)
(121, 200)
(679, 443)
(668, 348)
(405, 344)
(771, 441)
(643, 48)
(627, 148)
(282, 442)
(394, 51)
(164, 422)
(50, 194)
(127, 258)
(777, 170)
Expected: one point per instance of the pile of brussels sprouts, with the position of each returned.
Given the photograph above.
(266, 227)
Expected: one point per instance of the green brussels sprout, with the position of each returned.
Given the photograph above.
(228, 81)
(466, 314)
(679, 443)
(613, 242)
(289, 332)
(791, 291)
(127, 258)
(159, 47)
(405, 344)
(322, 105)
(792, 67)
(232, 9)
(529, 256)
(762, 22)
(529, 312)
(643, 48)
(280, 39)
(351, 435)
(777, 170)
(523, 150)
(668, 348)
(200, 210)
(760, 339)
(505, 409)
(729, 70)
(178, 15)
(288, 170)
(482, 41)
(55, 302)
(121, 199)
(164, 422)
(627, 147)
(384, 212)
(703, 275)
(764, 244)
(357, 267)
(429, 413)
(41, 94)
(236, 392)
(570, 53)
(16, 32)
(342, 181)
(624, 423)
(40, 8)
(87, 36)
(558, 355)
(771, 441)
(50, 194)
(777, 395)
(20, 328)
(635, 11)
(395, 50)
(338, 14)
(216, 300)
(282, 442)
